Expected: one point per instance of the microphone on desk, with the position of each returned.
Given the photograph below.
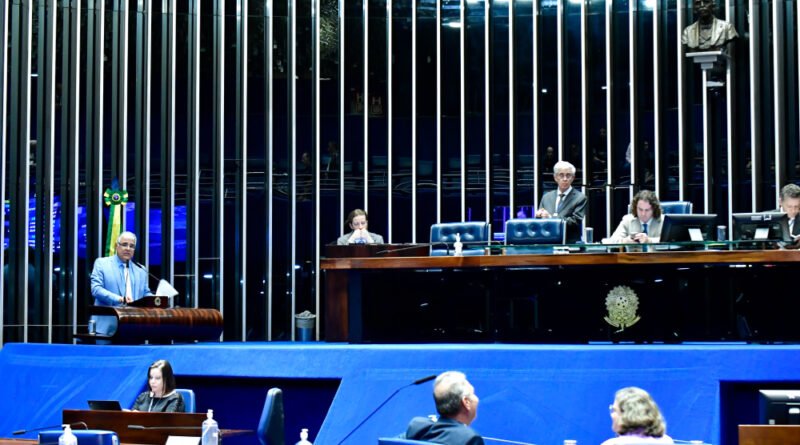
(42, 428)
(415, 382)
(516, 442)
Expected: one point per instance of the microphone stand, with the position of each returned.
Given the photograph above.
(415, 382)
(18, 432)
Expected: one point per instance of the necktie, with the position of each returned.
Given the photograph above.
(644, 228)
(791, 226)
(128, 291)
(560, 201)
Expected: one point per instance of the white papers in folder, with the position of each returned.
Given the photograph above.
(166, 289)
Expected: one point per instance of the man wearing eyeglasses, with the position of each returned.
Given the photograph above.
(566, 202)
(117, 280)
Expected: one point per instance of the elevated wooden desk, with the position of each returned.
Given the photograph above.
(769, 434)
(353, 283)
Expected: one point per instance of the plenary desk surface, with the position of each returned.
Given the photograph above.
(142, 427)
(343, 275)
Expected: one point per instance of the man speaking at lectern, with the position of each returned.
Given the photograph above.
(117, 280)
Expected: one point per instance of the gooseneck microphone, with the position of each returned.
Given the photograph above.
(41, 428)
(415, 382)
(141, 266)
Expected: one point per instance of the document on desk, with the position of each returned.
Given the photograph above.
(183, 440)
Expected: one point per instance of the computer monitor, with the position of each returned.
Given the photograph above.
(764, 226)
(779, 406)
(688, 227)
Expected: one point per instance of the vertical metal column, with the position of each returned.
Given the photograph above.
(365, 64)
(193, 148)
(462, 6)
(730, 87)
(438, 188)
(755, 104)
(681, 90)
(657, 115)
(633, 85)
(560, 62)
(240, 230)
(291, 111)
(268, 42)
(70, 131)
(143, 92)
(4, 20)
(585, 157)
(512, 177)
(168, 93)
(487, 120)
(389, 120)
(535, 115)
(95, 50)
(316, 19)
(45, 160)
(20, 139)
(779, 93)
(218, 147)
(610, 133)
(119, 95)
(413, 120)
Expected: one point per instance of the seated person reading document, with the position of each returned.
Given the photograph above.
(643, 224)
(357, 221)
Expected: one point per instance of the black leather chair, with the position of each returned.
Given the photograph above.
(534, 235)
(474, 238)
(676, 207)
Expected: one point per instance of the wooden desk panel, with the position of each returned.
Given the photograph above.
(769, 434)
(161, 425)
(343, 276)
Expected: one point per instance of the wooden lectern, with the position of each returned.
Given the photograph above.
(151, 319)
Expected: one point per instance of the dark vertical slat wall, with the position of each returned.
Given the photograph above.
(205, 108)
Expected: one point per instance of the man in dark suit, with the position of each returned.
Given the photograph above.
(457, 405)
(566, 202)
(790, 204)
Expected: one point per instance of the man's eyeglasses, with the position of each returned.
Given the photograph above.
(128, 245)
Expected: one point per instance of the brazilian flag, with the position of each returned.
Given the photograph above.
(115, 199)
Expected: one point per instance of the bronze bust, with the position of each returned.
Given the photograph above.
(708, 33)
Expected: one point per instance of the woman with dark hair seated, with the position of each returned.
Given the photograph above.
(636, 419)
(161, 397)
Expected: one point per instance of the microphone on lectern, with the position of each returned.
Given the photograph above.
(415, 382)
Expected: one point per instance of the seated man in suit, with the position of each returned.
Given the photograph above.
(457, 405)
(566, 202)
(643, 223)
(790, 204)
(117, 280)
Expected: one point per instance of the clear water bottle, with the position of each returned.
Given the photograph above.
(304, 437)
(67, 438)
(210, 430)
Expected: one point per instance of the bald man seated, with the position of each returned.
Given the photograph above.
(457, 405)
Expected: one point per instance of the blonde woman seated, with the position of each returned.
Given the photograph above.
(636, 419)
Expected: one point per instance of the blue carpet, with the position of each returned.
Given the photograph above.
(530, 393)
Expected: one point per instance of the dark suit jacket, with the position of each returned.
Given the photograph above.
(444, 431)
(572, 211)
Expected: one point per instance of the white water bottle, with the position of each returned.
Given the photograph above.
(458, 245)
(210, 430)
(67, 438)
(304, 437)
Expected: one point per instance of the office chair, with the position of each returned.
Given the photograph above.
(539, 231)
(270, 427)
(676, 207)
(188, 399)
(474, 237)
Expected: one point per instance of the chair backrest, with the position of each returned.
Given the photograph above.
(474, 236)
(270, 427)
(188, 399)
(396, 441)
(535, 231)
(676, 207)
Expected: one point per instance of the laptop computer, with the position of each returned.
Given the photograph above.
(104, 405)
